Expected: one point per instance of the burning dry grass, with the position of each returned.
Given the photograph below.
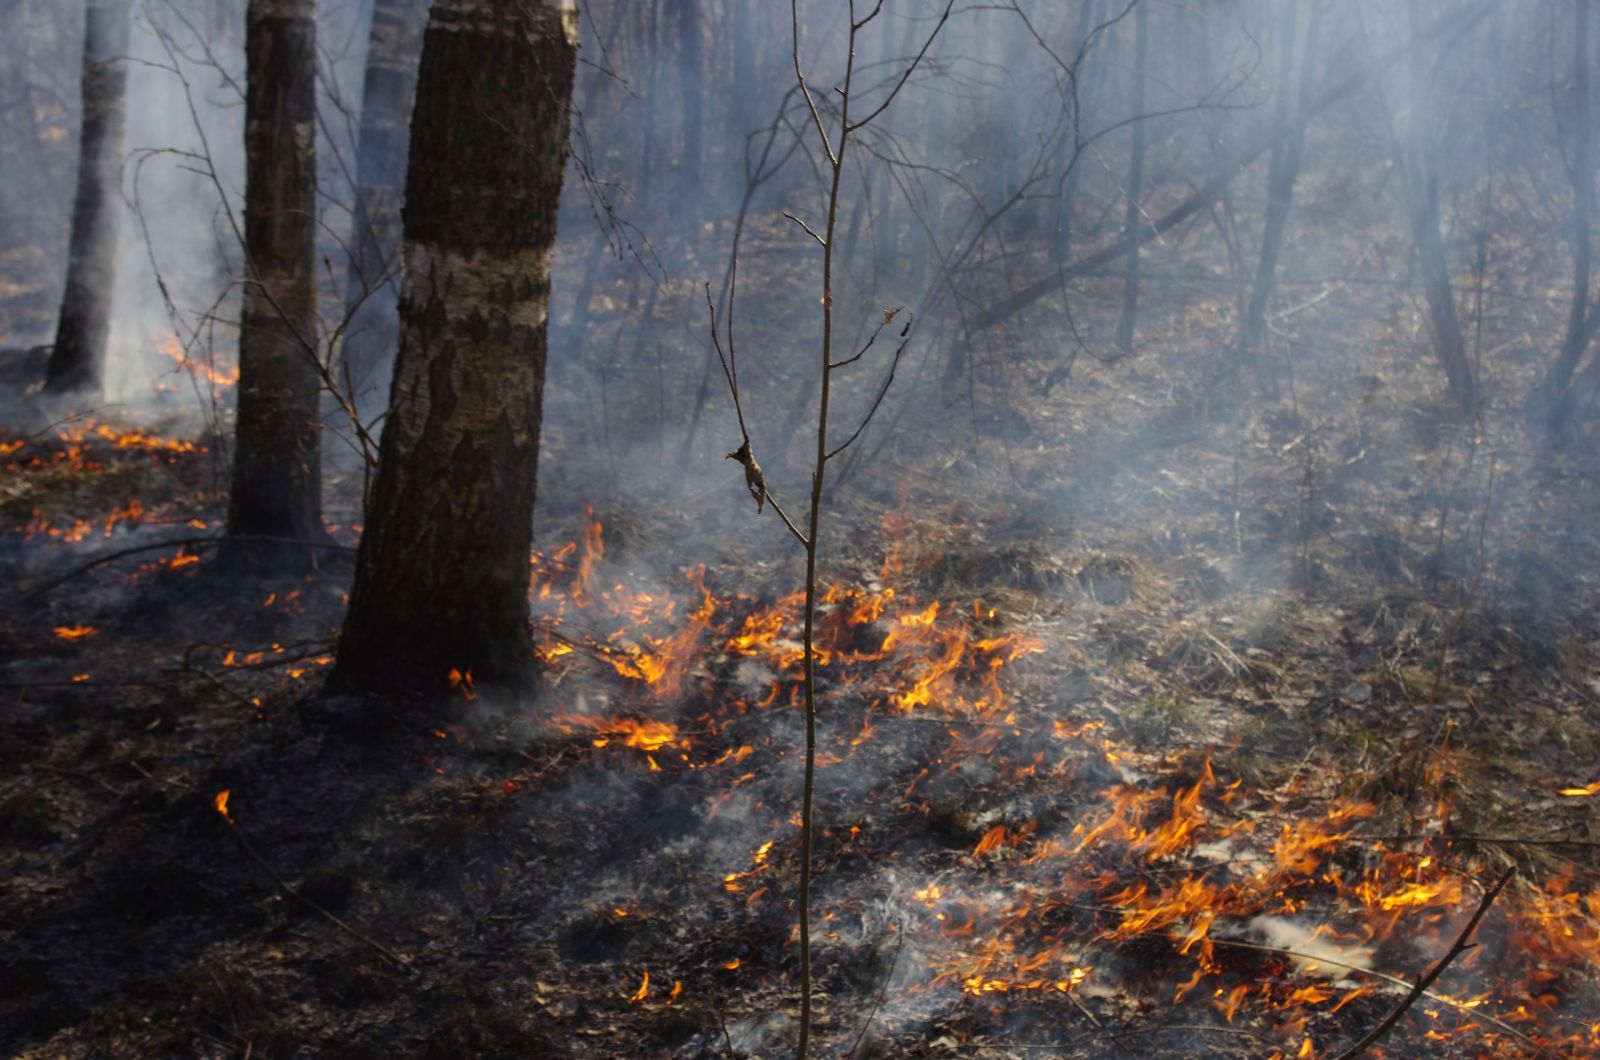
(1027, 843)
(1269, 906)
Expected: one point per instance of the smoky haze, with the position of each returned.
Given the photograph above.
(1246, 401)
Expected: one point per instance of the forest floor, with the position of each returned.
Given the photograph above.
(1146, 731)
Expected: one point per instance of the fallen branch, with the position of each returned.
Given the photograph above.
(1423, 982)
(176, 542)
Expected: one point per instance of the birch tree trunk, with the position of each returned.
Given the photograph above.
(77, 363)
(277, 475)
(442, 575)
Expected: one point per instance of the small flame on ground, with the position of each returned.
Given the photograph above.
(462, 682)
(75, 632)
(643, 991)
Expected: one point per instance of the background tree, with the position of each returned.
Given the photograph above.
(1283, 167)
(1555, 398)
(78, 360)
(1420, 189)
(1132, 218)
(442, 573)
(277, 474)
(372, 287)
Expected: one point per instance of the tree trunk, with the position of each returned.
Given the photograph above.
(372, 288)
(277, 475)
(442, 575)
(77, 363)
(1132, 219)
(1086, 76)
(1283, 171)
(1555, 398)
(1421, 181)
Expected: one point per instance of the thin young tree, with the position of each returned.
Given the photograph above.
(275, 508)
(77, 362)
(834, 123)
(441, 578)
(372, 289)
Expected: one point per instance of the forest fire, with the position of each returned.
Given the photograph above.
(1089, 867)
(1220, 378)
(1239, 900)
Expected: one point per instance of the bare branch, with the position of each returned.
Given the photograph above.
(820, 241)
(877, 401)
(800, 79)
(888, 317)
(1425, 981)
(909, 70)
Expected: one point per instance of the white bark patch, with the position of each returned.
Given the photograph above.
(481, 16)
(483, 379)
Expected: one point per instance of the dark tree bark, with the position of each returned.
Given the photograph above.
(1283, 169)
(1421, 189)
(1133, 218)
(442, 573)
(77, 363)
(277, 476)
(1554, 400)
(372, 289)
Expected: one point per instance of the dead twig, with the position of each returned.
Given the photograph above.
(1427, 980)
(221, 806)
(877, 1000)
(176, 542)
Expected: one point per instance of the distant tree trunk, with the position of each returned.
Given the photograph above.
(746, 99)
(77, 363)
(277, 476)
(1554, 400)
(442, 574)
(373, 290)
(1132, 219)
(1086, 76)
(1283, 169)
(692, 78)
(1421, 180)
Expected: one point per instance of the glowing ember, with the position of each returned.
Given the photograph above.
(219, 802)
(75, 632)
